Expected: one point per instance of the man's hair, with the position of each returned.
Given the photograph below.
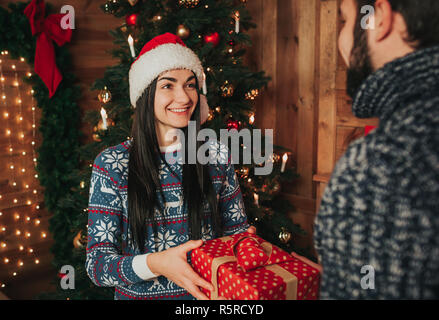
(421, 18)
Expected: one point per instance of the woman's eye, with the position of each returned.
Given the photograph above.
(191, 85)
(167, 86)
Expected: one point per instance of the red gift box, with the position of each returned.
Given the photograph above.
(246, 267)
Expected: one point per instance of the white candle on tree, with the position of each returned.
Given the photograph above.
(104, 118)
(131, 43)
(284, 162)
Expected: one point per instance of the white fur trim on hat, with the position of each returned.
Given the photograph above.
(163, 58)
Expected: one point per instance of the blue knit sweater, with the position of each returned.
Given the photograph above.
(380, 209)
(112, 258)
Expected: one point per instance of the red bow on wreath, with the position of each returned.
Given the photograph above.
(47, 29)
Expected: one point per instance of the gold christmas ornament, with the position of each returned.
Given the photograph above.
(189, 3)
(79, 241)
(244, 171)
(252, 94)
(275, 188)
(227, 90)
(284, 236)
(104, 95)
(183, 32)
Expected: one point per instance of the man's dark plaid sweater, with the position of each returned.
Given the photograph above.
(381, 206)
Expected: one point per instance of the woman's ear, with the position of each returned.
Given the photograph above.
(204, 109)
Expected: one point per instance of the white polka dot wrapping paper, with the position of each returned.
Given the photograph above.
(281, 276)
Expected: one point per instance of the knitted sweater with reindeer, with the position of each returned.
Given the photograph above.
(112, 258)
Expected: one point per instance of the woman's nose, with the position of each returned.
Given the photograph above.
(181, 96)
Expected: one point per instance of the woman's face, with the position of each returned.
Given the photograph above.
(176, 98)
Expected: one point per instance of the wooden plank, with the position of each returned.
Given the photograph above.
(267, 114)
(346, 136)
(307, 16)
(328, 56)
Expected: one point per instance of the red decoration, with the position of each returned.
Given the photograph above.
(232, 124)
(47, 29)
(131, 19)
(368, 129)
(245, 266)
(212, 38)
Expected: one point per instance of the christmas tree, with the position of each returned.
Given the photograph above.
(216, 31)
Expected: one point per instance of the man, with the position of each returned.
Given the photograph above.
(377, 232)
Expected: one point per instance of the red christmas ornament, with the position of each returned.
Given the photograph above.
(232, 124)
(131, 19)
(212, 38)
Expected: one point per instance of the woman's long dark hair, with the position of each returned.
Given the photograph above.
(144, 186)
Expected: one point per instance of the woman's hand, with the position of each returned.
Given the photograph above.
(172, 263)
(252, 230)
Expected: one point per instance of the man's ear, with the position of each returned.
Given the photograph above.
(383, 19)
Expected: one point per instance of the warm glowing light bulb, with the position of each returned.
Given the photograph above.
(6, 115)
(30, 250)
(3, 245)
(15, 83)
(6, 260)
(29, 74)
(33, 143)
(16, 216)
(14, 274)
(14, 184)
(43, 235)
(20, 119)
(11, 167)
(3, 229)
(8, 132)
(21, 248)
(37, 261)
(23, 170)
(13, 66)
(21, 135)
(2, 79)
(10, 149)
(37, 222)
(20, 263)
(4, 97)
(36, 176)
(23, 153)
(21, 59)
(27, 218)
(28, 236)
(35, 191)
(37, 207)
(17, 232)
(28, 202)
(15, 200)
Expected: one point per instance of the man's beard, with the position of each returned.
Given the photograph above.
(360, 66)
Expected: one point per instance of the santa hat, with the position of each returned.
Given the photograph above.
(163, 53)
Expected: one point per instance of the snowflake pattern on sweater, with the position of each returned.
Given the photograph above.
(110, 250)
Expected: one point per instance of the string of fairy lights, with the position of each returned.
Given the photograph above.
(20, 161)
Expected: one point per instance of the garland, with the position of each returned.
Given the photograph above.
(58, 155)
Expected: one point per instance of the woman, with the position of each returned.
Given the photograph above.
(145, 212)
